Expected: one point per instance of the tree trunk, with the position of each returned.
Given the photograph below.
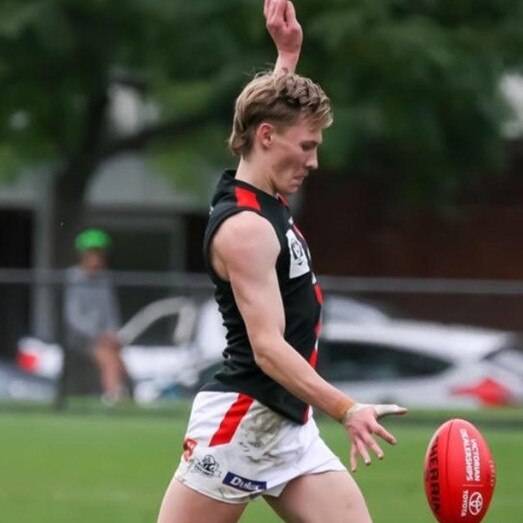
(69, 215)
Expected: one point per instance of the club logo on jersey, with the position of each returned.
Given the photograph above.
(247, 485)
(207, 466)
(299, 263)
(188, 448)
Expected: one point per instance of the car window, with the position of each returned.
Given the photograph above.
(509, 358)
(354, 361)
(158, 333)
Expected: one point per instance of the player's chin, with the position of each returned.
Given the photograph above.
(294, 187)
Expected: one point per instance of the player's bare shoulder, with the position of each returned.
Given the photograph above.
(246, 238)
(244, 231)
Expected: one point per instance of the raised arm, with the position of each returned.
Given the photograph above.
(286, 33)
(245, 250)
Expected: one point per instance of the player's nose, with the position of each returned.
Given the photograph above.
(312, 161)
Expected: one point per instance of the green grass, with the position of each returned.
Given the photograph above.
(58, 468)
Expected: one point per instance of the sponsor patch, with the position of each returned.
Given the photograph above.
(240, 483)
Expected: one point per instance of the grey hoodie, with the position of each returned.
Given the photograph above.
(90, 306)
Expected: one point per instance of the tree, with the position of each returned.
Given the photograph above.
(416, 88)
(61, 58)
(414, 85)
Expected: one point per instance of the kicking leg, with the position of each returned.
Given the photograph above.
(316, 498)
(184, 505)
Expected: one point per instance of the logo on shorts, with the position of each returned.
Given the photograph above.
(188, 448)
(247, 485)
(207, 466)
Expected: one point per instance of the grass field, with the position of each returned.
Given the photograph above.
(57, 468)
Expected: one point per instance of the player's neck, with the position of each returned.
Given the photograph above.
(255, 174)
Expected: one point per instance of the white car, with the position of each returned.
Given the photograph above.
(363, 351)
(194, 333)
(16, 385)
(187, 338)
(421, 364)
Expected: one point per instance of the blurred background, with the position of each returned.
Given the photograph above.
(114, 115)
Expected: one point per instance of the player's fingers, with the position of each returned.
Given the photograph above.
(353, 458)
(385, 435)
(266, 6)
(362, 449)
(290, 13)
(280, 7)
(271, 12)
(385, 410)
(371, 443)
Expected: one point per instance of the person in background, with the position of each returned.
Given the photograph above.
(92, 314)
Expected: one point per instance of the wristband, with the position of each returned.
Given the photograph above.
(381, 410)
(342, 408)
(352, 410)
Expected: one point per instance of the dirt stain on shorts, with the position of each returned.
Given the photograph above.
(256, 435)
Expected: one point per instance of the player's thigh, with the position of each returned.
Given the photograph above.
(184, 505)
(316, 498)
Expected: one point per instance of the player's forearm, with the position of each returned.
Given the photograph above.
(287, 367)
(286, 62)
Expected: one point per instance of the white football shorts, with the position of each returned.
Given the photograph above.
(236, 449)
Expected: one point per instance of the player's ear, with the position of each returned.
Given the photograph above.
(264, 134)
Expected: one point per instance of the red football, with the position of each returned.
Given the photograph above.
(460, 474)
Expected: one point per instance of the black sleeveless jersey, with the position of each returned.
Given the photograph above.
(300, 292)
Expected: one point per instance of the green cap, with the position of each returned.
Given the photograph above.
(92, 239)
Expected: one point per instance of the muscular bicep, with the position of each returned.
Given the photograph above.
(245, 250)
(246, 247)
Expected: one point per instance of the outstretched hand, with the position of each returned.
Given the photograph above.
(361, 423)
(284, 28)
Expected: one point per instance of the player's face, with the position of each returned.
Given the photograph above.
(293, 154)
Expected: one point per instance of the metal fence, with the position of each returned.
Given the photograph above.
(31, 301)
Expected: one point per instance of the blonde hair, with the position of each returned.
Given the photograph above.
(279, 99)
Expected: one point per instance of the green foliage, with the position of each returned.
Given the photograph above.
(57, 57)
(190, 163)
(414, 83)
(415, 87)
(10, 163)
